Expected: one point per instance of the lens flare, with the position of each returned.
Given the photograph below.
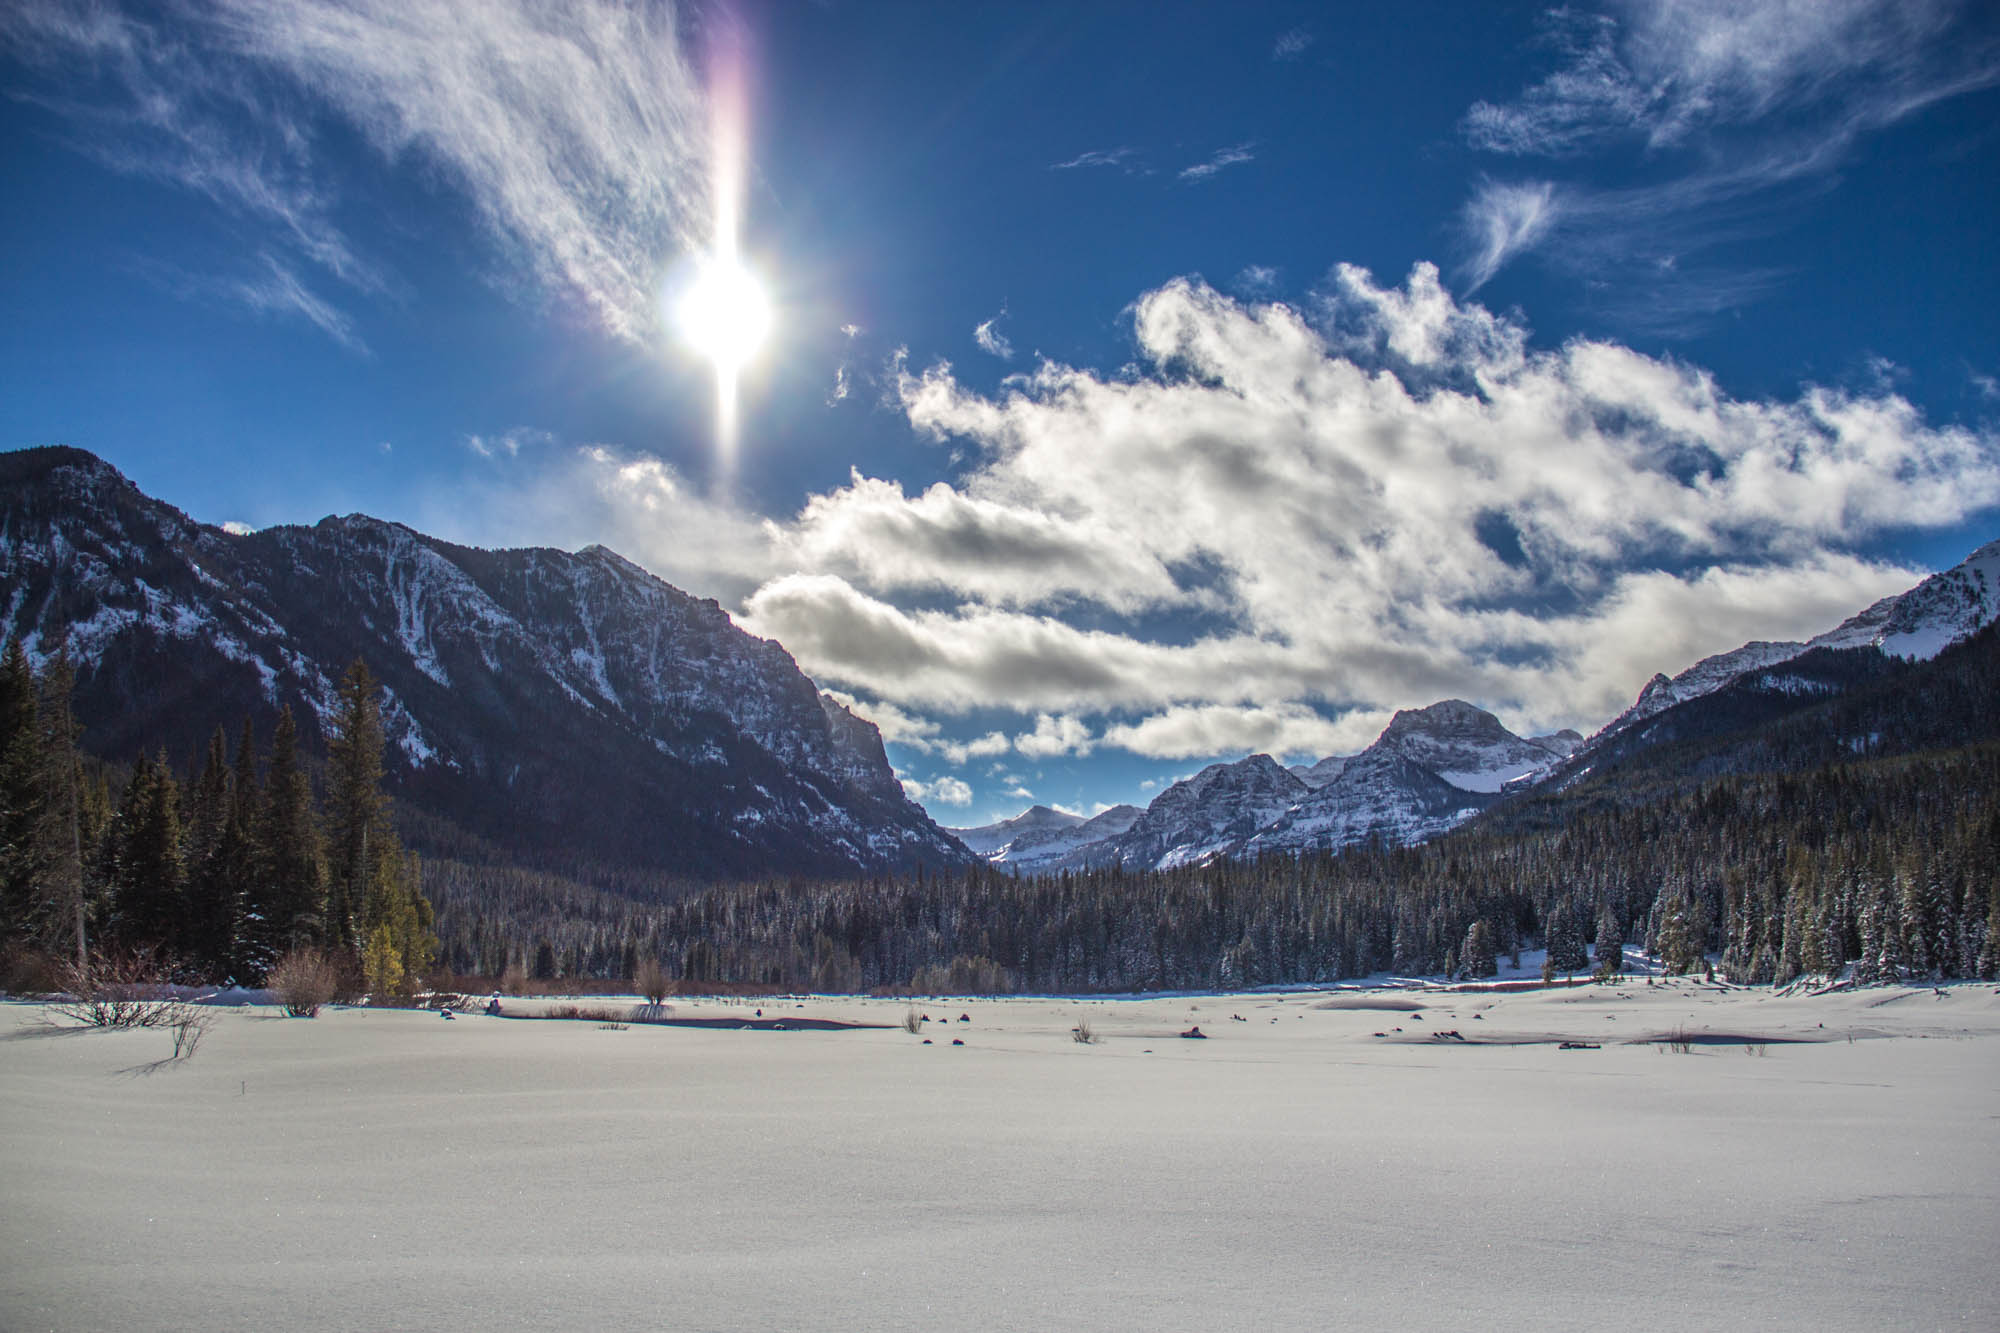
(722, 311)
(724, 314)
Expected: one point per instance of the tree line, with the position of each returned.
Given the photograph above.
(1889, 867)
(216, 873)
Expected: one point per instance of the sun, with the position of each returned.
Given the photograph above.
(724, 314)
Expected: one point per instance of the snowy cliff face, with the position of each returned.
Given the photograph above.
(1463, 745)
(1380, 794)
(1210, 814)
(559, 704)
(1944, 609)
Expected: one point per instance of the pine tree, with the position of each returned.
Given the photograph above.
(61, 833)
(359, 835)
(1678, 945)
(374, 891)
(291, 874)
(1609, 948)
(213, 883)
(1564, 938)
(241, 864)
(149, 904)
(1477, 958)
(22, 799)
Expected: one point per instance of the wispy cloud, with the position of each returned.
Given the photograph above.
(508, 444)
(1256, 280)
(1744, 107)
(1503, 219)
(1224, 158)
(1291, 44)
(991, 341)
(1120, 158)
(271, 286)
(577, 132)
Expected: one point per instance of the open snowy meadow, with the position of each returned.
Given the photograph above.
(1320, 1160)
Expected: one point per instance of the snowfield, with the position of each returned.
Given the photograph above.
(384, 1169)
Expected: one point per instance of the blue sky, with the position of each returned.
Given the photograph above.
(1149, 384)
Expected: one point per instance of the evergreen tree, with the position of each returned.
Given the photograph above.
(360, 839)
(375, 900)
(1478, 959)
(214, 885)
(1609, 947)
(61, 831)
(290, 894)
(1678, 944)
(149, 904)
(22, 799)
(1563, 935)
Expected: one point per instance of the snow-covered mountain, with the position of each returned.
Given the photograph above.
(1944, 609)
(1433, 768)
(1042, 838)
(556, 704)
(1464, 745)
(1209, 814)
(1321, 773)
(1379, 794)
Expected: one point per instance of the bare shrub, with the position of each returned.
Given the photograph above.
(913, 1022)
(649, 979)
(303, 980)
(1680, 1041)
(1083, 1034)
(1756, 1048)
(118, 991)
(189, 1029)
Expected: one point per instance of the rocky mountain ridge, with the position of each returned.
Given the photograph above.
(541, 700)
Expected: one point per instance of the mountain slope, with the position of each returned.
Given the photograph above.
(1944, 609)
(559, 705)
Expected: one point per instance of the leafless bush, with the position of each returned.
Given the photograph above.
(1083, 1034)
(189, 1029)
(1754, 1048)
(913, 1022)
(1680, 1041)
(650, 980)
(303, 980)
(121, 991)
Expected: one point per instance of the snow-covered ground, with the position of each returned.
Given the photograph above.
(382, 1169)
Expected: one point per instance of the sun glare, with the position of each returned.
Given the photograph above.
(724, 314)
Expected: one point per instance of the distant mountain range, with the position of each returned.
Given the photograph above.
(569, 709)
(561, 707)
(1435, 768)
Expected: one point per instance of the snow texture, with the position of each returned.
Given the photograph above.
(383, 1169)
